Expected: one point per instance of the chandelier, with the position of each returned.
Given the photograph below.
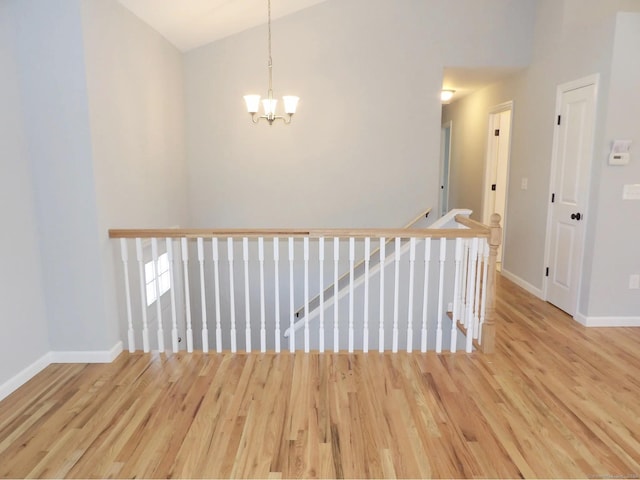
(269, 103)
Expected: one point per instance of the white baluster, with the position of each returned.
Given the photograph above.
(336, 258)
(172, 289)
(443, 257)
(485, 271)
(365, 320)
(305, 243)
(216, 278)
(276, 259)
(232, 297)
(292, 313)
(143, 296)
(154, 256)
(263, 320)
(425, 294)
(352, 257)
(412, 262)
(247, 312)
(124, 255)
(396, 295)
(463, 279)
(187, 295)
(381, 324)
(321, 263)
(456, 295)
(476, 287)
(203, 297)
(473, 256)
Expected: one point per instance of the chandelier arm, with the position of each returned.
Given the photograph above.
(269, 104)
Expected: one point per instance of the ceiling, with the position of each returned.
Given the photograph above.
(467, 80)
(189, 24)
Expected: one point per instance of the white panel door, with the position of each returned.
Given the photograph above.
(498, 153)
(445, 158)
(573, 151)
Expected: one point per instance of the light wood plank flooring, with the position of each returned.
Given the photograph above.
(556, 400)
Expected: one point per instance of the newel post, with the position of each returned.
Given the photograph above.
(489, 325)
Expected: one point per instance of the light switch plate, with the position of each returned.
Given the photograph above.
(631, 192)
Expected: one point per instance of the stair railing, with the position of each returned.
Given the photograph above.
(244, 278)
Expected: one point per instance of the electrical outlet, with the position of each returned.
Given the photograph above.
(634, 281)
(524, 184)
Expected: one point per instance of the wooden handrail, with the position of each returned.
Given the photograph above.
(299, 233)
(473, 224)
(424, 214)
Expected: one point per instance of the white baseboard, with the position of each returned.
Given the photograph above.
(26, 374)
(522, 283)
(99, 356)
(607, 321)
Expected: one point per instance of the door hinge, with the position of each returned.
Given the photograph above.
(493, 187)
(546, 273)
(553, 198)
(496, 132)
(559, 116)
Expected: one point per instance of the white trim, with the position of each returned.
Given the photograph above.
(444, 126)
(448, 220)
(486, 189)
(90, 356)
(495, 110)
(607, 321)
(522, 283)
(26, 374)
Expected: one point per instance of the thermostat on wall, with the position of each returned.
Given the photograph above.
(620, 152)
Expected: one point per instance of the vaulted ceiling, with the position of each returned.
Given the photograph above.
(189, 24)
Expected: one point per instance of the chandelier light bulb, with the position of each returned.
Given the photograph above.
(269, 104)
(290, 104)
(253, 103)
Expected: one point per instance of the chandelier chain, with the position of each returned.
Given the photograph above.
(270, 59)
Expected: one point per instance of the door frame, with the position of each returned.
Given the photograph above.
(593, 79)
(441, 196)
(486, 189)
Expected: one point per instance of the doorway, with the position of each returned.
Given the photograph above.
(569, 186)
(445, 161)
(497, 167)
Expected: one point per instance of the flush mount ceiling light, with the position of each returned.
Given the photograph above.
(446, 95)
(269, 103)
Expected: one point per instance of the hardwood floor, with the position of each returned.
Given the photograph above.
(555, 400)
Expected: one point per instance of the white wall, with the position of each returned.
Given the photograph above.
(572, 41)
(136, 113)
(616, 252)
(52, 71)
(22, 305)
(565, 49)
(98, 141)
(363, 148)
